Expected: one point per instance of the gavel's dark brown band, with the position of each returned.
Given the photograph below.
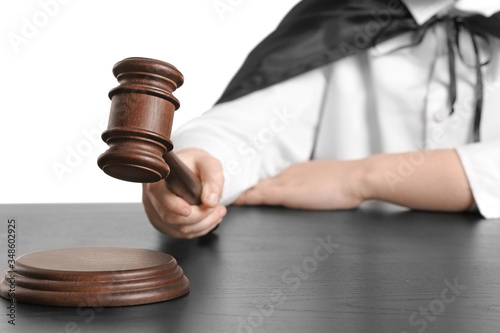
(139, 128)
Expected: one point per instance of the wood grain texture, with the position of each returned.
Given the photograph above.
(95, 276)
(386, 265)
(140, 124)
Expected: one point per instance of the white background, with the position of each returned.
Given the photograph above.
(55, 70)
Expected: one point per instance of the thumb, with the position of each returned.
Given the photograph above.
(212, 180)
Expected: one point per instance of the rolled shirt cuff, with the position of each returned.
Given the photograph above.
(481, 162)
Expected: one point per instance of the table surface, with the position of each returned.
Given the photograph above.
(269, 269)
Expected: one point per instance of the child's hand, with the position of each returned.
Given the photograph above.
(172, 215)
(310, 185)
(437, 182)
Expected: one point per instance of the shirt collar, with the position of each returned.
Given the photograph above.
(423, 10)
(482, 7)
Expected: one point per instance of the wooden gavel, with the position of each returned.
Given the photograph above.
(139, 128)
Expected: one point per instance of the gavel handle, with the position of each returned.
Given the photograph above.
(182, 181)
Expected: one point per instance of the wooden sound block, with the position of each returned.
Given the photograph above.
(95, 277)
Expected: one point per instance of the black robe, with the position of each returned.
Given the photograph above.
(317, 32)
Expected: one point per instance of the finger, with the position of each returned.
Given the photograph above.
(212, 179)
(198, 213)
(252, 196)
(197, 229)
(265, 192)
(166, 204)
(204, 226)
(154, 218)
(164, 201)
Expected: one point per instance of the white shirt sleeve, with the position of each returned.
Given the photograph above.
(481, 162)
(393, 98)
(259, 135)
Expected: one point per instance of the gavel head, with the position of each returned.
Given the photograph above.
(140, 120)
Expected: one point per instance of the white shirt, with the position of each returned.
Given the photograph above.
(393, 98)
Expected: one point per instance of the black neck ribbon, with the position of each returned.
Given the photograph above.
(317, 32)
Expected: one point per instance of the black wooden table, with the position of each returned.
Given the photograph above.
(374, 269)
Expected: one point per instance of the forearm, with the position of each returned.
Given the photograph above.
(431, 180)
(255, 137)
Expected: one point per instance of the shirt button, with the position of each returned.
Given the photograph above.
(440, 116)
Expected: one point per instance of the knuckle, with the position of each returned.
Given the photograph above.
(183, 230)
(215, 162)
(166, 217)
(189, 236)
(218, 178)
